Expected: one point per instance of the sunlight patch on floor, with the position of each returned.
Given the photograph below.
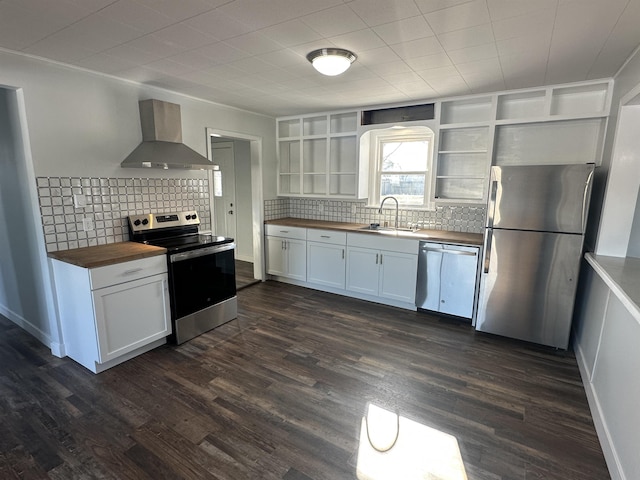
(393, 447)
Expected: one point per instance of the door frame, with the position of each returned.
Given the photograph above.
(257, 203)
(222, 228)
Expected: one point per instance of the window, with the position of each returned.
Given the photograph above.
(401, 162)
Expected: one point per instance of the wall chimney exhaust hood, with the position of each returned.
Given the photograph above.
(162, 145)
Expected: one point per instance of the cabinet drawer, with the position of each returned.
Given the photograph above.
(287, 232)
(327, 236)
(127, 271)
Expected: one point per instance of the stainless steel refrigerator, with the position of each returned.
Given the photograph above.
(536, 218)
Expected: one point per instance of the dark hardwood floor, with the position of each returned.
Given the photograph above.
(280, 392)
(244, 275)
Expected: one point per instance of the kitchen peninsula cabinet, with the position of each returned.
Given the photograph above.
(112, 313)
(286, 249)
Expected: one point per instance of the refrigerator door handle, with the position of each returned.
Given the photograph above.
(493, 187)
(487, 250)
(585, 200)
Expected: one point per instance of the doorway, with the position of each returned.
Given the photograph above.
(224, 193)
(245, 159)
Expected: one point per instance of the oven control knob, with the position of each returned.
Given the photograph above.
(145, 221)
(193, 216)
(137, 222)
(188, 217)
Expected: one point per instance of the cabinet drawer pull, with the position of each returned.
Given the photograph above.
(132, 271)
(284, 231)
(325, 236)
(343, 253)
(377, 255)
(380, 259)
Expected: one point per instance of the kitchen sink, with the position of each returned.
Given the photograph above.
(377, 228)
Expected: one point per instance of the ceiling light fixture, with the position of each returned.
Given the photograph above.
(331, 61)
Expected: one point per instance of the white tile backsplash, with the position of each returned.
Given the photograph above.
(457, 218)
(109, 202)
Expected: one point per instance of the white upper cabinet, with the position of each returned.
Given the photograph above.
(318, 156)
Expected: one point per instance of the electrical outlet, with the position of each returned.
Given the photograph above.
(320, 207)
(353, 209)
(87, 224)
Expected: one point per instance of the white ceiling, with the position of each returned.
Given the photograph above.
(251, 53)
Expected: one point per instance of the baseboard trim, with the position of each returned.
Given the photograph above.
(23, 323)
(604, 436)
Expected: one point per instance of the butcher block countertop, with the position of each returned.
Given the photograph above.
(423, 234)
(109, 254)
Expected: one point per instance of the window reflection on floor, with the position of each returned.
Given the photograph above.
(393, 447)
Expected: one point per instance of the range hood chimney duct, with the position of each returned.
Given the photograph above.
(162, 145)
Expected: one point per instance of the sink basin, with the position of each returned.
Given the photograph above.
(374, 228)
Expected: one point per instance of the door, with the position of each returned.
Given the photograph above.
(458, 280)
(296, 252)
(325, 264)
(276, 256)
(398, 276)
(363, 270)
(550, 198)
(528, 285)
(225, 191)
(130, 315)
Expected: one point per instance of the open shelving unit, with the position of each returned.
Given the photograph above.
(318, 155)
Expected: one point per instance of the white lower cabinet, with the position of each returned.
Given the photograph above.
(286, 252)
(382, 269)
(382, 273)
(326, 255)
(113, 313)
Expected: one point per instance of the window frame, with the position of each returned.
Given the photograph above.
(395, 134)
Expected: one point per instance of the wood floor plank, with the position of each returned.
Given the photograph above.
(279, 394)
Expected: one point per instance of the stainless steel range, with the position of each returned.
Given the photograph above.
(202, 283)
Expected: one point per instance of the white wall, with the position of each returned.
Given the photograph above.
(83, 124)
(24, 282)
(244, 230)
(606, 333)
(605, 220)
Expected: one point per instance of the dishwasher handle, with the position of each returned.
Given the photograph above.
(448, 251)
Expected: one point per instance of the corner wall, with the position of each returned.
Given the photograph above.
(23, 298)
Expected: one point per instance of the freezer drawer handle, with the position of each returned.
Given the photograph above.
(452, 252)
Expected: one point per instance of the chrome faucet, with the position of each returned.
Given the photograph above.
(382, 204)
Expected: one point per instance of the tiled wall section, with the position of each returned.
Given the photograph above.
(109, 201)
(457, 218)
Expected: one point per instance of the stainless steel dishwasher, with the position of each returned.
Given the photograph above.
(447, 278)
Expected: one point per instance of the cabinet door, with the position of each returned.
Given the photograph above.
(398, 273)
(296, 251)
(363, 270)
(276, 256)
(326, 264)
(458, 281)
(130, 315)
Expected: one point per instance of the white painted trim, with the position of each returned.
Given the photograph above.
(23, 323)
(126, 80)
(54, 339)
(606, 442)
(257, 197)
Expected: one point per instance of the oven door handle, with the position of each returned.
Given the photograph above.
(201, 252)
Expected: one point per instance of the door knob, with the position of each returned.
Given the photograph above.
(230, 212)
